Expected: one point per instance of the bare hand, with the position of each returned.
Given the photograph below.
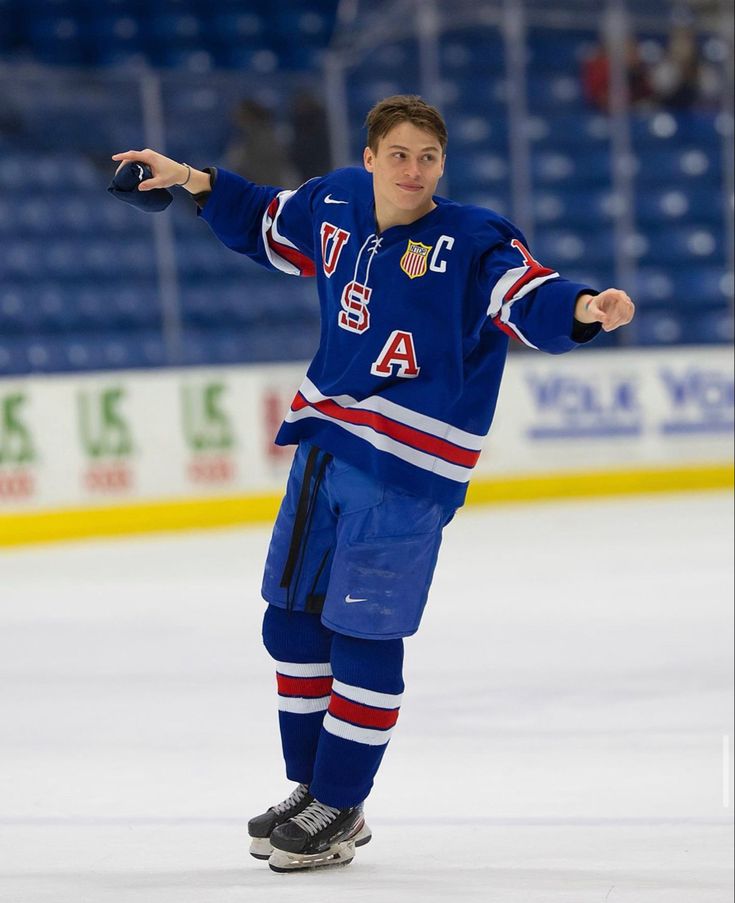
(166, 172)
(612, 308)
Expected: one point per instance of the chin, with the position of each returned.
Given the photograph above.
(411, 202)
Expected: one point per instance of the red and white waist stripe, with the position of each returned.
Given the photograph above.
(303, 688)
(360, 715)
(421, 440)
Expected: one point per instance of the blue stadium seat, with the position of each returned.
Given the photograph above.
(556, 92)
(550, 167)
(478, 51)
(699, 285)
(561, 249)
(676, 244)
(661, 327)
(680, 202)
(712, 327)
(554, 49)
(652, 130)
(13, 360)
(477, 169)
(682, 164)
(57, 39)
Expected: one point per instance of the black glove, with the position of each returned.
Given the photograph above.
(124, 185)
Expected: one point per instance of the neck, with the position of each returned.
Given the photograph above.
(387, 216)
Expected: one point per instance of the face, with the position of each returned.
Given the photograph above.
(406, 167)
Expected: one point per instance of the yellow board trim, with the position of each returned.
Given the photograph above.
(187, 514)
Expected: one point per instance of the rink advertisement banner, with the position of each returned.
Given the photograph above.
(145, 450)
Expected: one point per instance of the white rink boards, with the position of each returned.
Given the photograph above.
(561, 739)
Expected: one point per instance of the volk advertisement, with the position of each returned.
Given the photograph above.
(106, 439)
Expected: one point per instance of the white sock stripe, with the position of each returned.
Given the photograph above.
(300, 669)
(367, 735)
(368, 697)
(301, 705)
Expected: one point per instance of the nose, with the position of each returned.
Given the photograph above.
(411, 169)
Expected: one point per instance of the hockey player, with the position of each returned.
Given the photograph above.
(419, 297)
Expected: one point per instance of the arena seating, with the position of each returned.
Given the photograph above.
(79, 282)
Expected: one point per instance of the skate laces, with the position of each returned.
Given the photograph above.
(293, 800)
(315, 817)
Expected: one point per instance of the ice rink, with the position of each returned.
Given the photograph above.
(566, 733)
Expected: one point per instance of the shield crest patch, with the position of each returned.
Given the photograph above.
(414, 260)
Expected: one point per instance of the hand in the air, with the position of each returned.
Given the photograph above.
(611, 308)
(166, 172)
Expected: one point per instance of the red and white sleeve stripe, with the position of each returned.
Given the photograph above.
(513, 285)
(283, 253)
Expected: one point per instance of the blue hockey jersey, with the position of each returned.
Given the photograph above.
(415, 321)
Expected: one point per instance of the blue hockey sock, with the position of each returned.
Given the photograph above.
(300, 646)
(363, 708)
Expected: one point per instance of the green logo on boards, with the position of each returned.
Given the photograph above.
(16, 444)
(206, 425)
(103, 430)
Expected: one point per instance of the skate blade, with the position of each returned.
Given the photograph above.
(260, 847)
(340, 854)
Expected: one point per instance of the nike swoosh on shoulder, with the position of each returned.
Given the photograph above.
(349, 599)
(330, 200)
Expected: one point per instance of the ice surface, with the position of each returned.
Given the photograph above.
(561, 737)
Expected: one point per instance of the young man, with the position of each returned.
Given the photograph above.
(419, 296)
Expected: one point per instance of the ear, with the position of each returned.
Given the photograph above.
(444, 160)
(368, 159)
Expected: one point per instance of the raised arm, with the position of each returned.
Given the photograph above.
(167, 173)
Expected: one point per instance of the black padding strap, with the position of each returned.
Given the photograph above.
(299, 526)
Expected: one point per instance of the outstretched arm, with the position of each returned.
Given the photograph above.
(272, 226)
(166, 172)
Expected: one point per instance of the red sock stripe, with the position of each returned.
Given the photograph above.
(310, 687)
(364, 715)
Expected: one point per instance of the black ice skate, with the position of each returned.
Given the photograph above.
(260, 827)
(318, 836)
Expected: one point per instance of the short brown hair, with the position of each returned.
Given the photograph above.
(400, 108)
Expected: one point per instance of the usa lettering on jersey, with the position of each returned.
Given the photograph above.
(355, 316)
(333, 240)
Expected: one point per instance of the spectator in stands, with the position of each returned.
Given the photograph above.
(681, 79)
(256, 150)
(596, 77)
(310, 150)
